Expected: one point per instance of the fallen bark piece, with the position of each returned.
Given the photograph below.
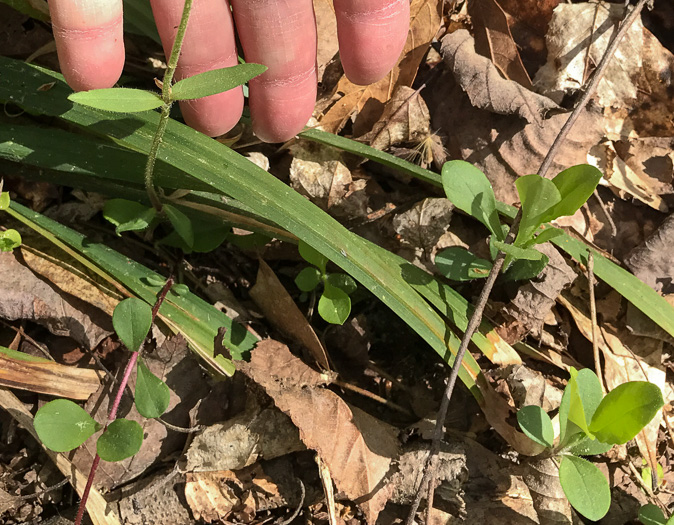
(356, 447)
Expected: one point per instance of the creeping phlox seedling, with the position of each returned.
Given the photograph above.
(62, 425)
(543, 200)
(591, 423)
(334, 305)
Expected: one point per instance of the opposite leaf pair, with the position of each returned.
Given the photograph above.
(63, 425)
(543, 200)
(591, 423)
(334, 305)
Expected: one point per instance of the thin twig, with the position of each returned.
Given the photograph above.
(593, 320)
(299, 507)
(607, 215)
(374, 397)
(429, 474)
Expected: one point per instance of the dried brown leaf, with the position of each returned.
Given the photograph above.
(485, 86)
(368, 101)
(26, 296)
(357, 448)
(405, 119)
(550, 502)
(570, 59)
(494, 39)
(277, 306)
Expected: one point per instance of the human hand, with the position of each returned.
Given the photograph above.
(281, 34)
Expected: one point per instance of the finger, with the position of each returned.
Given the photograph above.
(89, 41)
(282, 36)
(372, 34)
(208, 44)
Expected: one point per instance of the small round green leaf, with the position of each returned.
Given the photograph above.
(651, 514)
(626, 410)
(119, 100)
(63, 425)
(342, 281)
(458, 264)
(215, 81)
(4, 200)
(154, 280)
(181, 223)
(132, 320)
(312, 256)
(308, 278)
(122, 439)
(152, 394)
(585, 487)
(334, 306)
(9, 239)
(536, 424)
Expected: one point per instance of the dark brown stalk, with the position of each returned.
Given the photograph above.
(428, 480)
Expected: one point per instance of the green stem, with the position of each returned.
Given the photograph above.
(166, 108)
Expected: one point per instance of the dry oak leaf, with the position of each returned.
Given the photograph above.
(368, 101)
(357, 448)
(494, 39)
(484, 85)
(571, 27)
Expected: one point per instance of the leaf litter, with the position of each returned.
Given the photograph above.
(478, 104)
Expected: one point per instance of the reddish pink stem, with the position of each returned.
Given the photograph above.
(112, 415)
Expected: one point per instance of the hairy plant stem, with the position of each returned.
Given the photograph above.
(112, 415)
(428, 480)
(166, 107)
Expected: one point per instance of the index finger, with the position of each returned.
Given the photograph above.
(372, 34)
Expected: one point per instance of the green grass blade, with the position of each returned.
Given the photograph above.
(186, 314)
(233, 175)
(630, 287)
(138, 19)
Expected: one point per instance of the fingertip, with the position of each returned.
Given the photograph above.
(280, 110)
(214, 115)
(372, 34)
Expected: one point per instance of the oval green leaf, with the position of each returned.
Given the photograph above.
(122, 439)
(181, 223)
(334, 306)
(312, 256)
(215, 81)
(152, 394)
(128, 215)
(470, 191)
(537, 195)
(536, 424)
(308, 278)
(63, 425)
(119, 100)
(585, 487)
(626, 410)
(575, 185)
(651, 514)
(132, 320)
(517, 253)
(458, 264)
(9, 239)
(581, 398)
(342, 281)
(4, 200)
